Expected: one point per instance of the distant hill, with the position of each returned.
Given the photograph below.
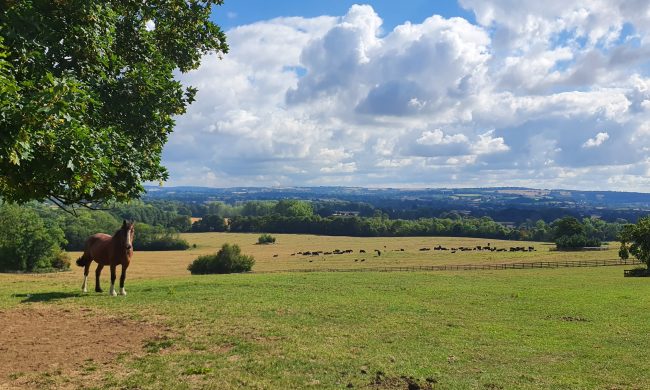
(514, 204)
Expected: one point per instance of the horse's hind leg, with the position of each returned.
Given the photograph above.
(122, 278)
(98, 272)
(84, 287)
(112, 291)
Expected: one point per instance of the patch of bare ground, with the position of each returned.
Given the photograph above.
(383, 382)
(63, 348)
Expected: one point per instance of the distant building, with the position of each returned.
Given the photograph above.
(345, 214)
(511, 225)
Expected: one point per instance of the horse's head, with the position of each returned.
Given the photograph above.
(127, 234)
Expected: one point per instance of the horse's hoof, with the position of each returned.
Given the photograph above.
(99, 290)
(122, 292)
(113, 293)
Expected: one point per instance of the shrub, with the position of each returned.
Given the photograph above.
(61, 261)
(266, 239)
(228, 260)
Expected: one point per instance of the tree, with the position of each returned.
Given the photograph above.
(78, 228)
(88, 94)
(635, 240)
(294, 208)
(567, 226)
(210, 223)
(27, 243)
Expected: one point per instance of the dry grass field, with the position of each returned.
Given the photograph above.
(279, 256)
(155, 265)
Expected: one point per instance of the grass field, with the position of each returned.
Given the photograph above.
(174, 263)
(514, 329)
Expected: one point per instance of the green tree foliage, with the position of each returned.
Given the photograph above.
(158, 214)
(228, 260)
(85, 224)
(88, 93)
(569, 233)
(373, 227)
(8, 86)
(567, 226)
(156, 238)
(181, 223)
(257, 208)
(210, 223)
(78, 228)
(294, 208)
(27, 242)
(635, 241)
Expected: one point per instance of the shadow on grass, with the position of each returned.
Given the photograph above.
(46, 297)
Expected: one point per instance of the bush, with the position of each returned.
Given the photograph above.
(266, 239)
(61, 261)
(228, 260)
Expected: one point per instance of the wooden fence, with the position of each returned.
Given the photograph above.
(474, 267)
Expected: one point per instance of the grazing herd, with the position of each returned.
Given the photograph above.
(482, 248)
(378, 252)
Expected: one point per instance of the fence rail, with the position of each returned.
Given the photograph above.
(474, 267)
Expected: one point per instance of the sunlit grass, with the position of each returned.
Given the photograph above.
(546, 328)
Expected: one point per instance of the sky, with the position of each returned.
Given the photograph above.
(414, 94)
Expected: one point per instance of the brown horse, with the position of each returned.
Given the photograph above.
(107, 250)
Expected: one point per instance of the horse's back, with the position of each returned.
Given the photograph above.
(97, 246)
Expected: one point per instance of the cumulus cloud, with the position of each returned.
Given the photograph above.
(437, 137)
(509, 100)
(596, 141)
(487, 144)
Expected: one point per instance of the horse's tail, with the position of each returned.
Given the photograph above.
(84, 260)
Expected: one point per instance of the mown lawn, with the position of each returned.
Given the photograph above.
(550, 328)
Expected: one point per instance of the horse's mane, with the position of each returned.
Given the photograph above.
(117, 232)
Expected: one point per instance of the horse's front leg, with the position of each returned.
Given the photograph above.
(122, 278)
(112, 291)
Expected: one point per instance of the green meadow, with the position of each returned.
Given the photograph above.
(514, 329)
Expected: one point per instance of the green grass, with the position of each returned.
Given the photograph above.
(561, 329)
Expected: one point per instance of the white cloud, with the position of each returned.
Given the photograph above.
(437, 137)
(310, 101)
(487, 144)
(340, 168)
(596, 141)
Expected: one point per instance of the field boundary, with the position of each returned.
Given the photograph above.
(472, 267)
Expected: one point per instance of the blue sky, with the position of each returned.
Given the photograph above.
(241, 12)
(474, 93)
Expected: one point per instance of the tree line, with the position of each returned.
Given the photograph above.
(301, 217)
